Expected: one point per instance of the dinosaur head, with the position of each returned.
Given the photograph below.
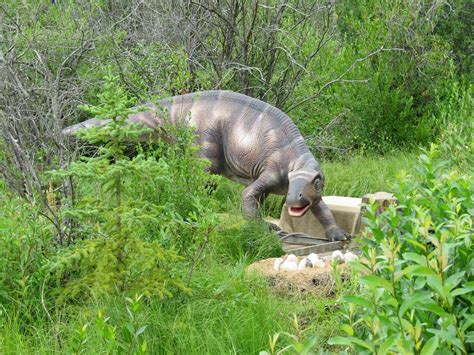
(305, 189)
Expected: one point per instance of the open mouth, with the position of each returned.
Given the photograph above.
(298, 211)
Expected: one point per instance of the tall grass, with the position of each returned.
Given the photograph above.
(228, 311)
(361, 175)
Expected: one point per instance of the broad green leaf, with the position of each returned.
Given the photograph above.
(423, 271)
(362, 343)
(387, 344)
(417, 258)
(348, 329)
(430, 346)
(447, 337)
(460, 291)
(360, 301)
(470, 337)
(376, 282)
(435, 283)
(414, 299)
(340, 341)
(308, 345)
(434, 308)
(454, 280)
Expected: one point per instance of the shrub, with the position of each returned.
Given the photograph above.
(417, 267)
(132, 214)
(25, 246)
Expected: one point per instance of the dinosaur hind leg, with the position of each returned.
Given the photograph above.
(254, 195)
(212, 151)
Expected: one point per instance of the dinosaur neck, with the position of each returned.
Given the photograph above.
(305, 161)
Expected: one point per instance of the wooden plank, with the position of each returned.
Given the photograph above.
(317, 249)
(302, 239)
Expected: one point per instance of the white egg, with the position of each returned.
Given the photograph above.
(289, 266)
(313, 255)
(302, 264)
(313, 258)
(319, 264)
(292, 258)
(349, 257)
(337, 255)
(277, 264)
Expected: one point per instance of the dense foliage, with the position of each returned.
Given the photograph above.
(117, 244)
(417, 290)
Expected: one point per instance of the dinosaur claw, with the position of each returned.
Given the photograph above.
(337, 234)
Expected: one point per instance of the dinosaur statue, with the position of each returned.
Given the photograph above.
(249, 142)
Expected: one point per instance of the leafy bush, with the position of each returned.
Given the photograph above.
(25, 246)
(417, 266)
(397, 65)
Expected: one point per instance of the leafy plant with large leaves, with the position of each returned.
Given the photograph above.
(417, 265)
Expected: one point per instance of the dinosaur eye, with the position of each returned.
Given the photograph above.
(317, 182)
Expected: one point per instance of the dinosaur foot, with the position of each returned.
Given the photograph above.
(337, 234)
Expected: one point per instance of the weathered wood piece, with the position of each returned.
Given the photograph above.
(317, 249)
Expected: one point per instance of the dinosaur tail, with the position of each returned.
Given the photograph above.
(93, 122)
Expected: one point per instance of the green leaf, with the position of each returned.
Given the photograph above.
(435, 283)
(417, 258)
(430, 346)
(348, 329)
(454, 280)
(414, 299)
(308, 345)
(449, 337)
(434, 308)
(423, 271)
(141, 330)
(360, 301)
(362, 343)
(460, 291)
(387, 344)
(376, 282)
(338, 340)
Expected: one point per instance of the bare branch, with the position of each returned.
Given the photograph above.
(340, 77)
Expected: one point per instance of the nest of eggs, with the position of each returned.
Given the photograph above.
(313, 274)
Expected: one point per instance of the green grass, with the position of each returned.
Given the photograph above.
(365, 174)
(227, 311)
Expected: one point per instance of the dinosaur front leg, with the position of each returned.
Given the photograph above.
(325, 216)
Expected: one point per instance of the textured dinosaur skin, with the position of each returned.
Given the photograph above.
(250, 142)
